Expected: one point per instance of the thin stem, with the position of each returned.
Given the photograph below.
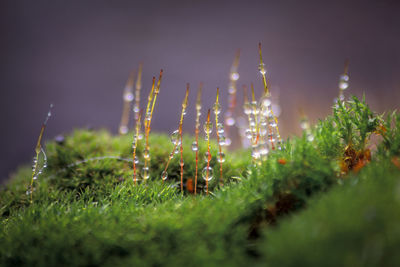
(136, 143)
(208, 149)
(38, 149)
(171, 155)
(127, 98)
(221, 179)
(262, 71)
(198, 113)
(184, 105)
(138, 88)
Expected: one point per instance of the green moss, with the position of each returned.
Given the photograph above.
(294, 209)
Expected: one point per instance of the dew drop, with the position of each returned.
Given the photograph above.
(261, 68)
(175, 138)
(230, 121)
(164, 175)
(146, 154)
(207, 128)
(145, 173)
(343, 85)
(220, 128)
(176, 151)
(207, 173)
(195, 147)
(222, 140)
(221, 157)
(217, 108)
(248, 134)
(128, 96)
(235, 76)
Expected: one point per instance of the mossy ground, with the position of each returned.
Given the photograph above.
(301, 207)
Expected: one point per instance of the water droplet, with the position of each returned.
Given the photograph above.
(146, 154)
(175, 138)
(148, 116)
(220, 128)
(248, 134)
(266, 102)
(128, 96)
(207, 156)
(343, 85)
(254, 109)
(195, 147)
(217, 108)
(221, 157)
(344, 77)
(176, 151)
(235, 76)
(230, 121)
(207, 173)
(35, 177)
(140, 137)
(145, 173)
(208, 128)
(136, 160)
(255, 154)
(164, 175)
(304, 124)
(222, 140)
(261, 68)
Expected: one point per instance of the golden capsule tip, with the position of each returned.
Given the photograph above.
(253, 95)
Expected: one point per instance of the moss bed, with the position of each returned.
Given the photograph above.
(326, 202)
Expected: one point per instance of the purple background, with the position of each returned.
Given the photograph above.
(78, 54)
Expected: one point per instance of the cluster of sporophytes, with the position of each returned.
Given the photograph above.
(93, 205)
(262, 129)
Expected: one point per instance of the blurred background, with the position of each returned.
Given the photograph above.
(78, 55)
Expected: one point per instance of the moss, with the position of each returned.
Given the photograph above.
(296, 208)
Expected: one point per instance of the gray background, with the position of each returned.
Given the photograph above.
(78, 54)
